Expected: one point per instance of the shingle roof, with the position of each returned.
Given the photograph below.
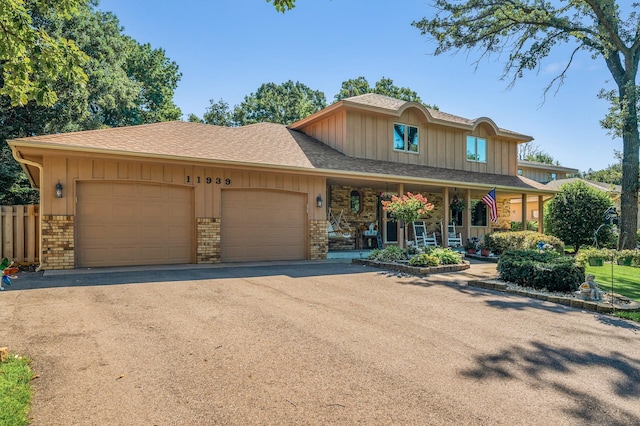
(601, 186)
(263, 144)
(537, 165)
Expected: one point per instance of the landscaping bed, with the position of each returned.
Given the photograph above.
(413, 270)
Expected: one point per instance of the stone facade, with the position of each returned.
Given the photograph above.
(504, 215)
(58, 242)
(318, 240)
(208, 240)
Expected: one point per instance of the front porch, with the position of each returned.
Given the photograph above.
(368, 226)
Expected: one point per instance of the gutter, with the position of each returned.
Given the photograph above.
(21, 160)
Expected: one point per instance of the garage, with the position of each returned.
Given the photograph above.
(119, 224)
(261, 225)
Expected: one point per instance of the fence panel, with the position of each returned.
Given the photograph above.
(20, 233)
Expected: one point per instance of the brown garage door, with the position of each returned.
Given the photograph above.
(133, 224)
(262, 225)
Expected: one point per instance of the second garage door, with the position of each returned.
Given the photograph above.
(262, 225)
(121, 224)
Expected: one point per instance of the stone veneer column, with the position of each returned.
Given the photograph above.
(208, 240)
(58, 250)
(318, 239)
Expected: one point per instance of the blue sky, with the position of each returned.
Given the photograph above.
(228, 49)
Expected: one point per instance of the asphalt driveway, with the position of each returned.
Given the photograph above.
(313, 343)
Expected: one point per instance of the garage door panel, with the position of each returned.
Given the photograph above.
(133, 224)
(263, 225)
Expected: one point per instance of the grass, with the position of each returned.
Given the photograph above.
(15, 391)
(626, 281)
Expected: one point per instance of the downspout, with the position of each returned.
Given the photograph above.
(21, 160)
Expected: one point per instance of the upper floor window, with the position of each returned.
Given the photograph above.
(553, 176)
(405, 137)
(476, 149)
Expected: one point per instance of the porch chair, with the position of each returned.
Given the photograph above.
(420, 236)
(455, 239)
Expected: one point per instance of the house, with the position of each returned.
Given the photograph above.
(179, 192)
(543, 173)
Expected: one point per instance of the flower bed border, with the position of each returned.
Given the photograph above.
(414, 270)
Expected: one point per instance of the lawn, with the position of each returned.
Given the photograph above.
(626, 279)
(15, 391)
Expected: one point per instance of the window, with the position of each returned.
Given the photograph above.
(405, 137)
(456, 217)
(476, 149)
(519, 172)
(355, 201)
(553, 176)
(478, 213)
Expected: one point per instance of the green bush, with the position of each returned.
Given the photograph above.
(424, 259)
(540, 270)
(583, 256)
(388, 254)
(446, 256)
(531, 226)
(499, 242)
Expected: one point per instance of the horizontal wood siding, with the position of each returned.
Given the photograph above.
(20, 234)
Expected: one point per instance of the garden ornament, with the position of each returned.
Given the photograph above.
(589, 290)
(8, 272)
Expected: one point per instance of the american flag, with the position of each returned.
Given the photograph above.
(490, 201)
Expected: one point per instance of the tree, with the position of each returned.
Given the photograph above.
(284, 104)
(576, 212)
(219, 114)
(384, 86)
(529, 29)
(530, 152)
(407, 208)
(611, 174)
(33, 60)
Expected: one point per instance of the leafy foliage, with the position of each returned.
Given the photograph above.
(531, 226)
(499, 242)
(446, 256)
(575, 214)
(531, 152)
(283, 103)
(32, 57)
(528, 30)
(548, 270)
(583, 256)
(388, 254)
(15, 391)
(424, 259)
(408, 207)
(384, 86)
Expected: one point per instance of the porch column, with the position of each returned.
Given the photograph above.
(524, 212)
(401, 231)
(467, 214)
(540, 214)
(445, 217)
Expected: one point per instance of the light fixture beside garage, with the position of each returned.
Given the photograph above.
(58, 190)
(319, 200)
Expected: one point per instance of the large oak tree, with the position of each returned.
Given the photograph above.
(525, 32)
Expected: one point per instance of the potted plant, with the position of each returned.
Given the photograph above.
(470, 246)
(484, 250)
(592, 256)
(625, 257)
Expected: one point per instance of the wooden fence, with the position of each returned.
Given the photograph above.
(20, 233)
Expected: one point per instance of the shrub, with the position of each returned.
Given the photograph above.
(531, 226)
(424, 259)
(540, 270)
(388, 254)
(499, 242)
(446, 256)
(583, 256)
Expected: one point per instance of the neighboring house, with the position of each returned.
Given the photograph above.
(540, 172)
(179, 192)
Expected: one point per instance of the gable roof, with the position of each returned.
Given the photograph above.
(259, 145)
(600, 186)
(544, 166)
(395, 107)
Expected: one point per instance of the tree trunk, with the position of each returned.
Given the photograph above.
(630, 169)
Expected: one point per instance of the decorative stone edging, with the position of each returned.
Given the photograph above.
(413, 270)
(590, 305)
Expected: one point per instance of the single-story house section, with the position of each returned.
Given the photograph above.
(178, 192)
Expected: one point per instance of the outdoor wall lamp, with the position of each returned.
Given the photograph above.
(319, 200)
(58, 190)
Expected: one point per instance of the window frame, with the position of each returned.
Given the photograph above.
(405, 135)
(475, 151)
(474, 203)
(353, 194)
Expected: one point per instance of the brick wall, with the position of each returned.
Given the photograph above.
(318, 240)
(504, 215)
(58, 251)
(208, 240)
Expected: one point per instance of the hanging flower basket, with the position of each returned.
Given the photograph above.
(457, 205)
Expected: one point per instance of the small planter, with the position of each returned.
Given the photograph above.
(596, 261)
(624, 262)
(485, 252)
(471, 251)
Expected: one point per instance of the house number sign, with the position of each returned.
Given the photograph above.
(209, 180)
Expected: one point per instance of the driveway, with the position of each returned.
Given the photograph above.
(313, 343)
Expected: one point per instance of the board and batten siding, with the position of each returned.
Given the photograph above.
(370, 136)
(206, 181)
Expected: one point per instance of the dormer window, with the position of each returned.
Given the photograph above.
(405, 137)
(476, 149)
